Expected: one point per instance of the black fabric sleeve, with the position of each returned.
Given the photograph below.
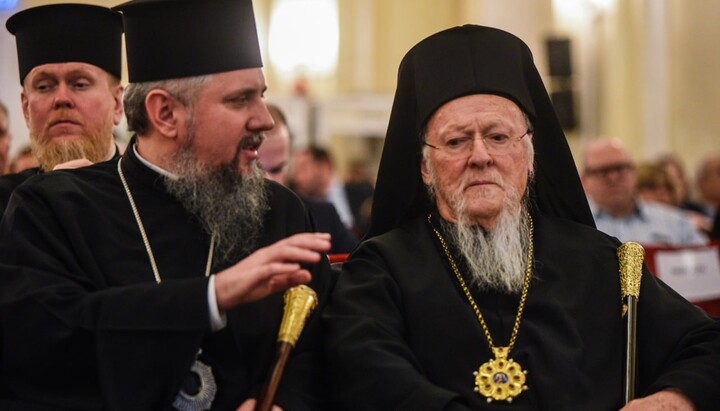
(75, 340)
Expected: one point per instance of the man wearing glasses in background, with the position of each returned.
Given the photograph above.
(610, 177)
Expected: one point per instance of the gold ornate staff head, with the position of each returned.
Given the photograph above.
(299, 303)
(631, 256)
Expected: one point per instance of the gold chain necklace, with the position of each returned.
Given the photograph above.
(500, 378)
(146, 241)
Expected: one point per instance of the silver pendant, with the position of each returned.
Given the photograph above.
(206, 392)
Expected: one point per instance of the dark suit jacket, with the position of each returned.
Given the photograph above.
(357, 194)
(327, 220)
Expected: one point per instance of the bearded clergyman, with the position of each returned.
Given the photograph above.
(483, 283)
(154, 282)
(70, 60)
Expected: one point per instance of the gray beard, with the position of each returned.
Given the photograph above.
(497, 259)
(227, 203)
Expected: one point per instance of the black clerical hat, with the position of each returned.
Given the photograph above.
(61, 33)
(167, 39)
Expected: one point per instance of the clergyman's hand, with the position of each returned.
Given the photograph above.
(667, 400)
(270, 269)
(249, 405)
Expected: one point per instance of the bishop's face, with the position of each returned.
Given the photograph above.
(475, 184)
(229, 119)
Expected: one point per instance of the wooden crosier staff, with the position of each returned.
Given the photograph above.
(299, 303)
(630, 257)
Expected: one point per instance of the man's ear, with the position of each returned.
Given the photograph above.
(117, 94)
(425, 172)
(25, 107)
(163, 112)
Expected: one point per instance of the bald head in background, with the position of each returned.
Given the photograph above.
(609, 175)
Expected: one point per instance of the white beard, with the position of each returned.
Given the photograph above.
(497, 260)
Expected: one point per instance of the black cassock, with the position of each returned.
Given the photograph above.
(9, 182)
(86, 327)
(401, 334)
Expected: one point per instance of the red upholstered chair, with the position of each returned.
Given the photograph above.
(336, 263)
(337, 258)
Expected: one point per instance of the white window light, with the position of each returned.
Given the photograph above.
(304, 37)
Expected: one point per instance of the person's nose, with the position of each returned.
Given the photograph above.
(479, 154)
(261, 119)
(613, 174)
(63, 98)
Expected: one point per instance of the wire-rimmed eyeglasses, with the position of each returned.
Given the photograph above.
(495, 143)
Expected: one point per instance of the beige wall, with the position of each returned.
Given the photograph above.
(694, 121)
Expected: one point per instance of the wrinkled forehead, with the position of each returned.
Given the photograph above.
(486, 110)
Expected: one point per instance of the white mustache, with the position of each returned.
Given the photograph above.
(493, 178)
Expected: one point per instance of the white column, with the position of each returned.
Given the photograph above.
(656, 138)
(364, 41)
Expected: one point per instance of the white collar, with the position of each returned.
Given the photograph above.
(152, 166)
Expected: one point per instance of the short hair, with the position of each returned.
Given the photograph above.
(319, 154)
(279, 118)
(653, 175)
(185, 90)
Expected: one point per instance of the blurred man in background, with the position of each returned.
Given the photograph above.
(610, 177)
(314, 175)
(5, 137)
(274, 156)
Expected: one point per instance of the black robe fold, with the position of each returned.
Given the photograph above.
(9, 182)
(401, 335)
(85, 325)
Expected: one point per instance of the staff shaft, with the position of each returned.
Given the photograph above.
(267, 398)
(630, 348)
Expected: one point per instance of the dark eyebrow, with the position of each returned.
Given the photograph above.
(244, 91)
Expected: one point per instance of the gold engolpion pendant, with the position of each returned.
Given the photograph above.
(501, 378)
